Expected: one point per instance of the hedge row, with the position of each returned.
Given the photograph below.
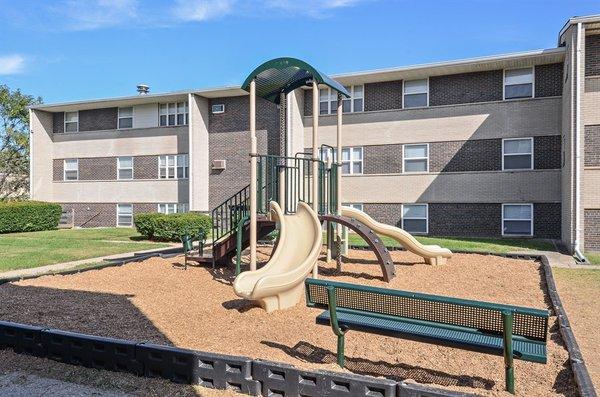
(171, 227)
(28, 216)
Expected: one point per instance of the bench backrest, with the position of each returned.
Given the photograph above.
(483, 316)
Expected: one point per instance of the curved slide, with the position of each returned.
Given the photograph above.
(280, 283)
(433, 254)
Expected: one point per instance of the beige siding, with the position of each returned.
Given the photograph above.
(481, 187)
(147, 191)
(199, 160)
(591, 189)
(136, 142)
(445, 123)
(41, 155)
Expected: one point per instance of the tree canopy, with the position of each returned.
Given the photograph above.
(14, 142)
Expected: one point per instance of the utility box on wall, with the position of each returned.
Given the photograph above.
(219, 164)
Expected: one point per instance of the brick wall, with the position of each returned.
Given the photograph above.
(465, 88)
(547, 220)
(547, 152)
(382, 159)
(102, 214)
(592, 55)
(98, 119)
(98, 169)
(105, 168)
(465, 219)
(235, 148)
(383, 96)
(145, 167)
(237, 118)
(591, 231)
(548, 80)
(58, 122)
(58, 167)
(472, 219)
(460, 156)
(591, 151)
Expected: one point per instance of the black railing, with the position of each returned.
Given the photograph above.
(297, 176)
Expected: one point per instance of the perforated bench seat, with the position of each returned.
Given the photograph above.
(511, 331)
(453, 336)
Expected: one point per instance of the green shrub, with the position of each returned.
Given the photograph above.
(172, 226)
(28, 216)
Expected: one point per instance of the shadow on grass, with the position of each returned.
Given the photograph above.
(307, 352)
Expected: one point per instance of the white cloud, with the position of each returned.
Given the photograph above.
(96, 14)
(11, 64)
(202, 10)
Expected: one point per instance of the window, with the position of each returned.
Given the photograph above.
(218, 108)
(517, 154)
(71, 169)
(125, 167)
(416, 158)
(172, 208)
(173, 167)
(517, 219)
(352, 160)
(356, 206)
(125, 117)
(125, 215)
(175, 113)
(71, 121)
(518, 83)
(416, 93)
(415, 218)
(328, 100)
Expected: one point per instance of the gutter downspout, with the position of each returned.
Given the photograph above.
(577, 248)
(31, 157)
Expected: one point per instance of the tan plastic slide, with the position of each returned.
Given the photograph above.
(433, 254)
(280, 283)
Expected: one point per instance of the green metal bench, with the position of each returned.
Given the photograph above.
(188, 247)
(510, 331)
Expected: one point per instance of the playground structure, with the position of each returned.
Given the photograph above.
(295, 191)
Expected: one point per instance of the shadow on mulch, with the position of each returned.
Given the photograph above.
(94, 313)
(398, 372)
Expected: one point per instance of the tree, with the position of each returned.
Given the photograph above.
(14, 142)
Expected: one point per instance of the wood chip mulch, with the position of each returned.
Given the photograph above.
(157, 301)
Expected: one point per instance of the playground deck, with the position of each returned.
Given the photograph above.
(197, 308)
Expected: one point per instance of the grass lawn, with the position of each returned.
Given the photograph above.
(594, 258)
(27, 250)
(496, 245)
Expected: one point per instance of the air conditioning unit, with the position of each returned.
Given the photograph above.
(219, 164)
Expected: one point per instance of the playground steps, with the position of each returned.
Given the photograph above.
(225, 249)
(375, 243)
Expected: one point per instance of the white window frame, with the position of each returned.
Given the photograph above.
(350, 160)
(119, 168)
(518, 154)
(357, 206)
(186, 112)
(65, 122)
(332, 97)
(510, 219)
(222, 105)
(119, 117)
(414, 158)
(426, 217)
(403, 95)
(176, 161)
(118, 213)
(65, 170)
(504, 84)
(177, 208)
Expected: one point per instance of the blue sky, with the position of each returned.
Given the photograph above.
(66, 50)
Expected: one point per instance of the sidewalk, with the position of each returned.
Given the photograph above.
(48, 269)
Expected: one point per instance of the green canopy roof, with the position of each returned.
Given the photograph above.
(283, 75)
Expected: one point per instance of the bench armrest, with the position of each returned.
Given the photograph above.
(331, 297)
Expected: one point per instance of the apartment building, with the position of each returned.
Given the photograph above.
(505, 145)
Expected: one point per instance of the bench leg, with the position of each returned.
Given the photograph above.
(340, 351)
(509, 369)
